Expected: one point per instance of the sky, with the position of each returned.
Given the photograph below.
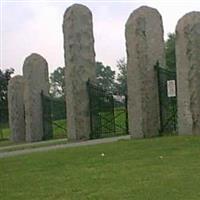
(29, 26)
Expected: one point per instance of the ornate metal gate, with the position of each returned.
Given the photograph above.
(108, 113)
(167, 100)
(54, 117)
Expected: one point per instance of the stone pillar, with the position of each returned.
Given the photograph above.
(16, 108)
(145, 46)
(35, 70)
(188, 73)
(80, 66)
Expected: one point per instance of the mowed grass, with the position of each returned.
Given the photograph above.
(163, 168)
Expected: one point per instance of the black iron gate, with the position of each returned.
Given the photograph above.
(108, 113)
(54, 117)
(167, 100)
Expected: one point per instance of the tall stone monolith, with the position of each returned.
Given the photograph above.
(80, 66)
(16, 108)
(35, 71)
(145, 46)
(188, 73)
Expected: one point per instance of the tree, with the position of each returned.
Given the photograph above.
(105, 77)
(121, 84)
(170, 51)
(57, 82)
(5, 76)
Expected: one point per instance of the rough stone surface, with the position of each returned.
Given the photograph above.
(145, 46)
(16, 108)
(188, 73)
(80, 66)
(35, 70)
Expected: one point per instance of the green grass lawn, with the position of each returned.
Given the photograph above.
(165, 168)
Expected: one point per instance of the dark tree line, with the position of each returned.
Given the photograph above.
(5, 76)
(106, 78)
(170, 52)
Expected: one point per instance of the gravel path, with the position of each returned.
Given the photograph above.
(62, 146)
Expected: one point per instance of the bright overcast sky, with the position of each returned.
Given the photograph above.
(36, 26)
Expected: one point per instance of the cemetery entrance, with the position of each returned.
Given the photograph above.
(167, 100)
(108, 112)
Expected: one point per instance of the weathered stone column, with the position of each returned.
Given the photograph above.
(80, 66)
(188, 73)
(35, 70)
(145, 46)
(16, 108)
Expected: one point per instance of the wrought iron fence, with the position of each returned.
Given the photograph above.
(54, 117)
(167, 100)
(108, 113)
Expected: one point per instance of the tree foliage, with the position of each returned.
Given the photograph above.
(170, 51)
(105, 77)
(57, 82)
(5, 76)
(121, 84)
